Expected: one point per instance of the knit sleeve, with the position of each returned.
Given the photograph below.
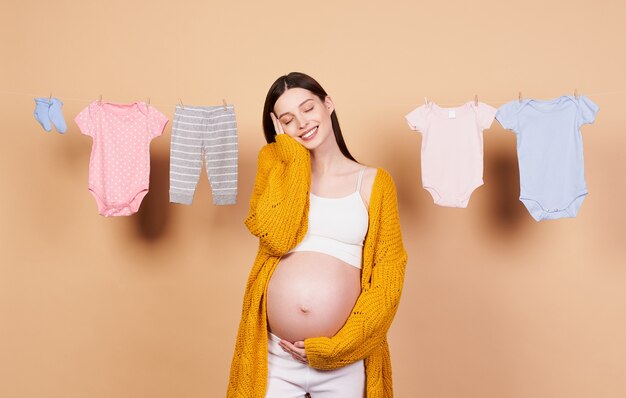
(280, 199)
(366, 328)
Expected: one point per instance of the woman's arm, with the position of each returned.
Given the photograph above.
(280, 200)
(366, 328)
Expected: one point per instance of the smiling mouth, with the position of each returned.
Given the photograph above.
(309, 134)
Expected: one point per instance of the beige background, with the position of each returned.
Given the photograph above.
(494, 305)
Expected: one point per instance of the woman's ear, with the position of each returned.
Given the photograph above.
(328, 103)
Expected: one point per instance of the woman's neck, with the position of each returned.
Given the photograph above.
(327, 159)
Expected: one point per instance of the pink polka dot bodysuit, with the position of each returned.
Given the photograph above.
(119, 167)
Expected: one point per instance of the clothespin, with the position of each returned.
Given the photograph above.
(100, 100)
(225, 105)
(148, 103)
(476, 99)
(576, 93)
(520, 96)
(425, 101)
(181, 103)
(50, 98)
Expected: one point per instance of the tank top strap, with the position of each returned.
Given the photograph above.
(358, 184)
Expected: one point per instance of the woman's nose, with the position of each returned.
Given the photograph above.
(302, 121)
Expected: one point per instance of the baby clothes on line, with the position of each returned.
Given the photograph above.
(49, 110)
(119, 167)
(452, 149)
(206, 133)
(550, 152)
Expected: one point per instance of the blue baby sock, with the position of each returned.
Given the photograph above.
(56, 115)
(41, 113)
(49, 110)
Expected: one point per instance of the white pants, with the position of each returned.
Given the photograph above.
(288, 378)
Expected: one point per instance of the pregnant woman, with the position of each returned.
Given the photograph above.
(327, 279)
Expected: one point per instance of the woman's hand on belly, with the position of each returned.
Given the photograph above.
(296, 350)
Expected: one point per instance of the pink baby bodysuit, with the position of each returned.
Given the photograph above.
(119, 167)
(452, 149)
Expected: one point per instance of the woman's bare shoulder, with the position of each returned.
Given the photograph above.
(369, 175)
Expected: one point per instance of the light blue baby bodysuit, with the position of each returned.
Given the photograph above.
(550, 152)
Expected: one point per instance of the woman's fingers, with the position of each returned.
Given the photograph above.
(296, 350)
(278, 127)
(276, 123)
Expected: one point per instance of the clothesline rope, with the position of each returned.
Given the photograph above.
(72, 99)
(503, 101)
(446, 103)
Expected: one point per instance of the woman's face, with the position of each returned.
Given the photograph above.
(304, 116)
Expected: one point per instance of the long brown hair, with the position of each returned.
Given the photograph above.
(300, 80)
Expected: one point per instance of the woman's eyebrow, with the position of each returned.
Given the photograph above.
(302, 103)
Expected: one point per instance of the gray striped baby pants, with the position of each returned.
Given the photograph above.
(204, 134)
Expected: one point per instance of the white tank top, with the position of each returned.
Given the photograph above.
(337, 226)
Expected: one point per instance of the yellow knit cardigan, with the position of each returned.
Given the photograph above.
(279, 217)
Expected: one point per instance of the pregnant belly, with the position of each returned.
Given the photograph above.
(311, 294)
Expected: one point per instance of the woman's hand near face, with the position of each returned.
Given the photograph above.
(278, 127)
(289, 149)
